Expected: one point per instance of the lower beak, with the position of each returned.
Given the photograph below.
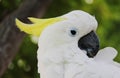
(89, 43)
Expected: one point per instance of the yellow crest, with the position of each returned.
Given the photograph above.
(38, 25)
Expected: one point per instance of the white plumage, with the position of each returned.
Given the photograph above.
(66, 44)
(60, 57)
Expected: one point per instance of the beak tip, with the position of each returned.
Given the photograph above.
(91, 53)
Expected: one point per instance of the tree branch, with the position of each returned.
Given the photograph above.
(10, 36)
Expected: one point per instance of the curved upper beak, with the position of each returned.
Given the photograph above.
(89, 43)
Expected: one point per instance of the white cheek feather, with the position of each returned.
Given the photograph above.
(57, 64)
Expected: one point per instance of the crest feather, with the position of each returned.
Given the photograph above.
(38, 25)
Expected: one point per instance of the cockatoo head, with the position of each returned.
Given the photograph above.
(76, 27)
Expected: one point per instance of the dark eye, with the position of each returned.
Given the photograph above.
(73, 32)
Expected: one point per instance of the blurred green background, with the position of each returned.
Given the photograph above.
(107, 12)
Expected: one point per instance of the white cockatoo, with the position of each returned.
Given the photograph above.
(68, 46)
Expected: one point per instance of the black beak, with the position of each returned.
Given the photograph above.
(89, 43)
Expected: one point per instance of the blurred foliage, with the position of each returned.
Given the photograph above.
(8, 6)
(107, 12)
(25, 63)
